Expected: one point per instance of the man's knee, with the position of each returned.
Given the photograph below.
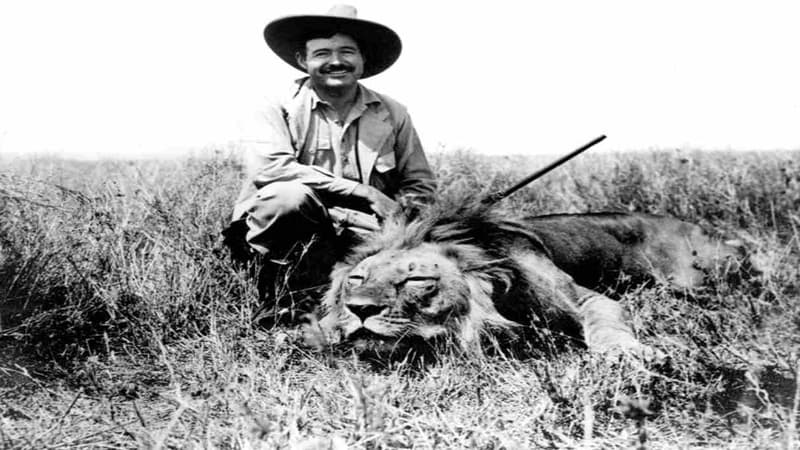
(284, 212)
(282, 198)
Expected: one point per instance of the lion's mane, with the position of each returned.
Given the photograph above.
(481, 240)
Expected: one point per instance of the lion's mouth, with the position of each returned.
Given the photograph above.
(365, 334)
(365, 339)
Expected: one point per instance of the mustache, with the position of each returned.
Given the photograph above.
(337, 67)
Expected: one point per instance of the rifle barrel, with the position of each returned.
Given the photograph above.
(539, 173)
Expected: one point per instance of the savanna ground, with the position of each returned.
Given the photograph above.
(123, 323)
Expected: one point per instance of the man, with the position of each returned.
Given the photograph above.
(332, 158)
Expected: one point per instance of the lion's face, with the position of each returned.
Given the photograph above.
(400, 294)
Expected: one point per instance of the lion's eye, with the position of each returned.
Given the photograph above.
(355, 280)
(420, 281)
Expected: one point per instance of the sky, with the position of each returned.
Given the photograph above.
(124, 79)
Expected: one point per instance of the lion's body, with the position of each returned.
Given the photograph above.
(466, 271)
(615, 250)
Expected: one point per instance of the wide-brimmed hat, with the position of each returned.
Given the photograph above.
(379, 45)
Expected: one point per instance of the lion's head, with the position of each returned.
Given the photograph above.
(435, 277)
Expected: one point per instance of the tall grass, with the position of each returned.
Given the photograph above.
(127, 251)
(122, 321)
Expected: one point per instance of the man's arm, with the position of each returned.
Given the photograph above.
(270, 157)
(417, 182)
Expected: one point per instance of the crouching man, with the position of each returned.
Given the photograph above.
(331, 158)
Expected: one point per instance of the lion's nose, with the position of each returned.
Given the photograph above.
(365, 311)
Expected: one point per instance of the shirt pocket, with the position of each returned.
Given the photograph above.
(385, 162)
(322, 151)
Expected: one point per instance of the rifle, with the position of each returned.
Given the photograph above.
(497, 196)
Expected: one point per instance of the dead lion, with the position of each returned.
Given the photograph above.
(463, 272)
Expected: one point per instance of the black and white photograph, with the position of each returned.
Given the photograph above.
(312, 225)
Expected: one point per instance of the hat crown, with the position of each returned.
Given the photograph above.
(342, 10)
(379, 44)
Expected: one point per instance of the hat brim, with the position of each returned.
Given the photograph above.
(379, 45)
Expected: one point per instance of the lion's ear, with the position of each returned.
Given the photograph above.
(467, 257)
(451, 252)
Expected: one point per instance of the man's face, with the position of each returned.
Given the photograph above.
(334, 62)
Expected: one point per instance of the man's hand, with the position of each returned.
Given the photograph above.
(378, 202)
(359, 222)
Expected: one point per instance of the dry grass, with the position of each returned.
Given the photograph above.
(123, 324)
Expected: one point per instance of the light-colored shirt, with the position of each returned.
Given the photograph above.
(335, 139)
(294, 141)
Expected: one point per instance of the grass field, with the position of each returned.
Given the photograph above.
(123, 323)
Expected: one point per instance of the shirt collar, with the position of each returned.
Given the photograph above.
(364, 98)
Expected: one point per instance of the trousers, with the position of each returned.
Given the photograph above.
(283, 213)
(291, 236)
